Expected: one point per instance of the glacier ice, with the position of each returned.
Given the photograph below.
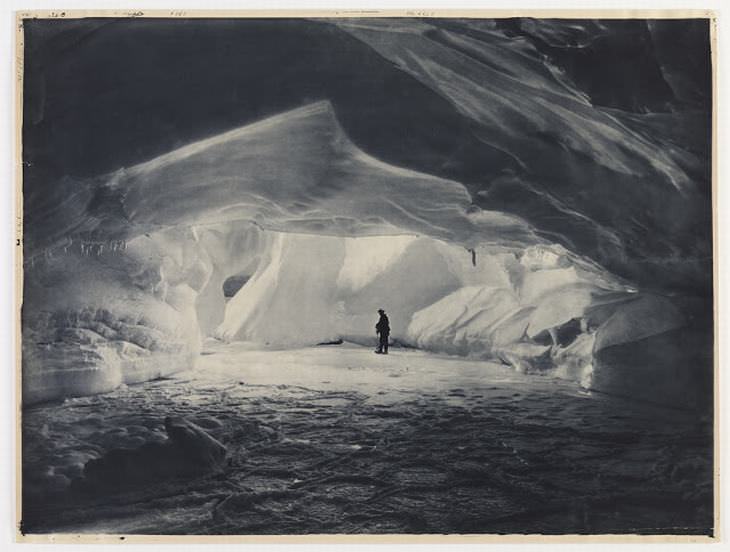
(91, 322)
(240, 176)
(124, 290)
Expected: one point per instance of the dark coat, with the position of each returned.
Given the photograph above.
(383, 325)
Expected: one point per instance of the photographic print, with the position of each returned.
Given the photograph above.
(327, 274)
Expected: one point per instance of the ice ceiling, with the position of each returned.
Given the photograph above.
(479, 178)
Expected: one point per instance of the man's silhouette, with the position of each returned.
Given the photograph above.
(382, 328)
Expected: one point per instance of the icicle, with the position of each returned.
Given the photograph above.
(473, 255)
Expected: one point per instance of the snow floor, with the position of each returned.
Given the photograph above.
(336, 439)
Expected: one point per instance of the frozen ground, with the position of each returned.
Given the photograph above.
(335, 439)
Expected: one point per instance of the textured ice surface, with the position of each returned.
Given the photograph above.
(295, 172)
(314, 288)
(461, 152)
(281, 203)
(620, 185)
(339, 440)
(188, 451)
(612, 164)
(95, 320)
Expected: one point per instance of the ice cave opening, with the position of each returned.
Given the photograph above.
(150, 304)
(203, 264)
(245, 386)
(125, 282)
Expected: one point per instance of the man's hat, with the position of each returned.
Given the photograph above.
(381, 310)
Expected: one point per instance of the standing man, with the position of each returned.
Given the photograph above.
(383, 329)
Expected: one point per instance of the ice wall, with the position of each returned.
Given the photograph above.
(233, 249)
(185, 219)
(439, 296)
(294, 172)
(98, 317)
(312, 289)
(613, 164)
(539, 310)
(615, 170)
(282, 200)
(95, 317)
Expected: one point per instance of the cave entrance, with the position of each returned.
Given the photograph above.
(308, 288)
(233, 284)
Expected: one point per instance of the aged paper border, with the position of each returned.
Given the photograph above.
(72, 538)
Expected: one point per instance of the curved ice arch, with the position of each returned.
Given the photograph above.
(294, 172)
(297, 173)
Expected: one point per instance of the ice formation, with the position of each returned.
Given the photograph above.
(527, 216)
(146, 309)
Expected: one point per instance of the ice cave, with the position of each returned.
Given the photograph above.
(458, 279)
(517, 216)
